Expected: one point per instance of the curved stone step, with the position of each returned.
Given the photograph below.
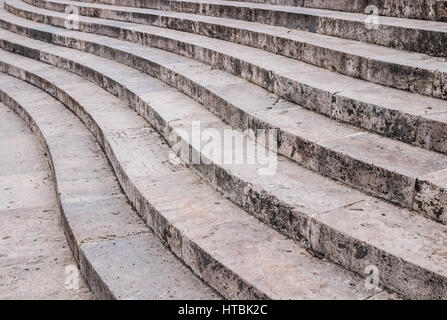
(348, 227)
(413, 9)
(238, 255)
(118, 256)
(406, 175)
(153, 4)
(412, 72)
(34, 253)
(413, 35)
(420, 36)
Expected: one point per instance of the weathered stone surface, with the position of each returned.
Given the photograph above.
(408, 71)
(274, 187)
(411, 35)
(194, 249)
(361, 223)
(93, 208)
(392, 113)
(33, 251)
(415, 9)
(431, 195)
(348, 227)
(151, 274)
(253, 107)
(419, 9)
(392, 116)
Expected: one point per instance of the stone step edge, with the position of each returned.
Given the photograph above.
(432, 11)
(97, 281)
(135, 195)
(338, 100)
(434, 211)
(406, 34)
(345, 237)
(391, 73)
(91, 276)
(94, 280)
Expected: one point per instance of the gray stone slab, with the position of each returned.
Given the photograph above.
(394, 184)
(33, 250)
(233, 280)
(92, 204)
(150, 273)
(277, 201)
(386, 66)
(328, 22)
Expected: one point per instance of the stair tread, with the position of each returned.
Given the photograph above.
(358, 17)
(34, 255)
(416, 40)
(173, 195)
(335, 84)
(291, 178)
(298, 122)
(354, 47)
(94, 211)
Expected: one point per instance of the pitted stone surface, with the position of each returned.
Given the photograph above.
(389, 112)
(390, 67)
(400, 99)
(328, 22)
(299, 224)
(94, 210)
(202, 218)
(34, 254)
(329, 150)
(416, 9)
(407, 34)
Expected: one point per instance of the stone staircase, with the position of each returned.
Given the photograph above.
(360, 181)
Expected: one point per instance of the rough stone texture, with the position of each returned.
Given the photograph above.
(191, 218)
(392, 113)
(150, 273)
(415, 9)
(233, 184)
(408, 71)
(94, 210)
(411, 35)
(343, 225)
(334, 150)
(33, 250)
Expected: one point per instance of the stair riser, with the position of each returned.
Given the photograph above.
(223, 280)
(294, 224)
(367, 177)
(419, 9)
(17, 108)
(429, 82)
(90, 265)
(418, 40)
(433, 10)
(401, 276)
(153, 4)
(431, 199)
(94, 282)
(269, 209)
